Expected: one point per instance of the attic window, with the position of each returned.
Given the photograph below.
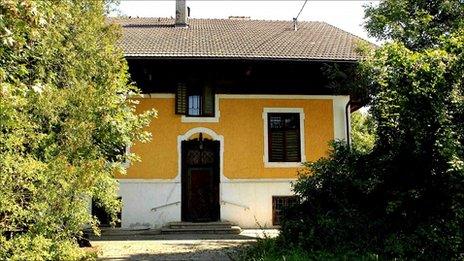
(195, 101)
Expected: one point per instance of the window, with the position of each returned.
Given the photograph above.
(194, 105)
(279, 204)
(195, 101)
(283, 137)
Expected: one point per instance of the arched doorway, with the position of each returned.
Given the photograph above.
(200, 177)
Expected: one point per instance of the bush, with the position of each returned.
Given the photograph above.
(273, 249)
(336, 204)
(33, 247)
(353, 202)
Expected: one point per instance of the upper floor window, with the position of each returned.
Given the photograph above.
(194, 105)
(195, 101)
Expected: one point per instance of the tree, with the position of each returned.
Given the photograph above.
(417, 24)
(65, 113)
(362, 131)
(405, 198)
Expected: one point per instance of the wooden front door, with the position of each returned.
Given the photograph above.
(200, 180)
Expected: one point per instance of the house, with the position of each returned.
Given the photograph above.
(241, 103)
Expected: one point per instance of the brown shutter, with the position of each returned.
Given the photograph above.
(292, 140)
(276, 146)
(208, 101)
(284, 137)
(181, 99)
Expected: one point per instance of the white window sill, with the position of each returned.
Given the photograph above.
(283, 164)
(201, 119)
(217, 114)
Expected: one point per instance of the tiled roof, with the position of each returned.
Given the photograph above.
(236, 38)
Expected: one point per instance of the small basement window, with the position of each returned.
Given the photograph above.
(279, 203)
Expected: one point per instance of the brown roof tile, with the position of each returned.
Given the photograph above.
(236, 38)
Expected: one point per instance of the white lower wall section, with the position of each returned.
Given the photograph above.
(256, 196)
(139, 197)
(247, 203)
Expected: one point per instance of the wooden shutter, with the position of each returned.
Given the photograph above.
(181, 99)
(292, 145)
(208, 101)
(276, 146)
(284, 137)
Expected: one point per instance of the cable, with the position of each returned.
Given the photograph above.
(301, 10)
(295, 20)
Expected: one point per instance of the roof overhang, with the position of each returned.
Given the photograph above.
(237, 58)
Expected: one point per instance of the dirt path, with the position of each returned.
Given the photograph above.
(198, 249)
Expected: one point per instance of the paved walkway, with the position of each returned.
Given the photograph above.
(169, 249)
(178, 247)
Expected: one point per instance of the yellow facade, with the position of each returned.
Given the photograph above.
(241, 125)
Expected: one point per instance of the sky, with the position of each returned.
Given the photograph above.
(346, 14)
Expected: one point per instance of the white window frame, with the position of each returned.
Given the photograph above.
(217, 114)
(267, 163)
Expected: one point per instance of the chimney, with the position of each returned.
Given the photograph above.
(181, 13)
(295, 24)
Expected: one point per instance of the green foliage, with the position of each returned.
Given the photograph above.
(334, 212)
(346, 78)
(270, 249)
(65, 113)
(405, 197)
(37, 247)
(417, 24)
(362, 131)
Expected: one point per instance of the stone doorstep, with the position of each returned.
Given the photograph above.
(125, 232)
(212, 225)
(226, 223)
(221, 227)
(171, 228)
(202, 230)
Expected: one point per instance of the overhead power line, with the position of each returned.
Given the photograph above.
(295, 20)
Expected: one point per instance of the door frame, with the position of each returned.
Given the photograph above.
(186, 136)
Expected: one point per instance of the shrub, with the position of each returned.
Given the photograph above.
(37, 247)
(351, 202)
(336, 203)
(273, 249)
